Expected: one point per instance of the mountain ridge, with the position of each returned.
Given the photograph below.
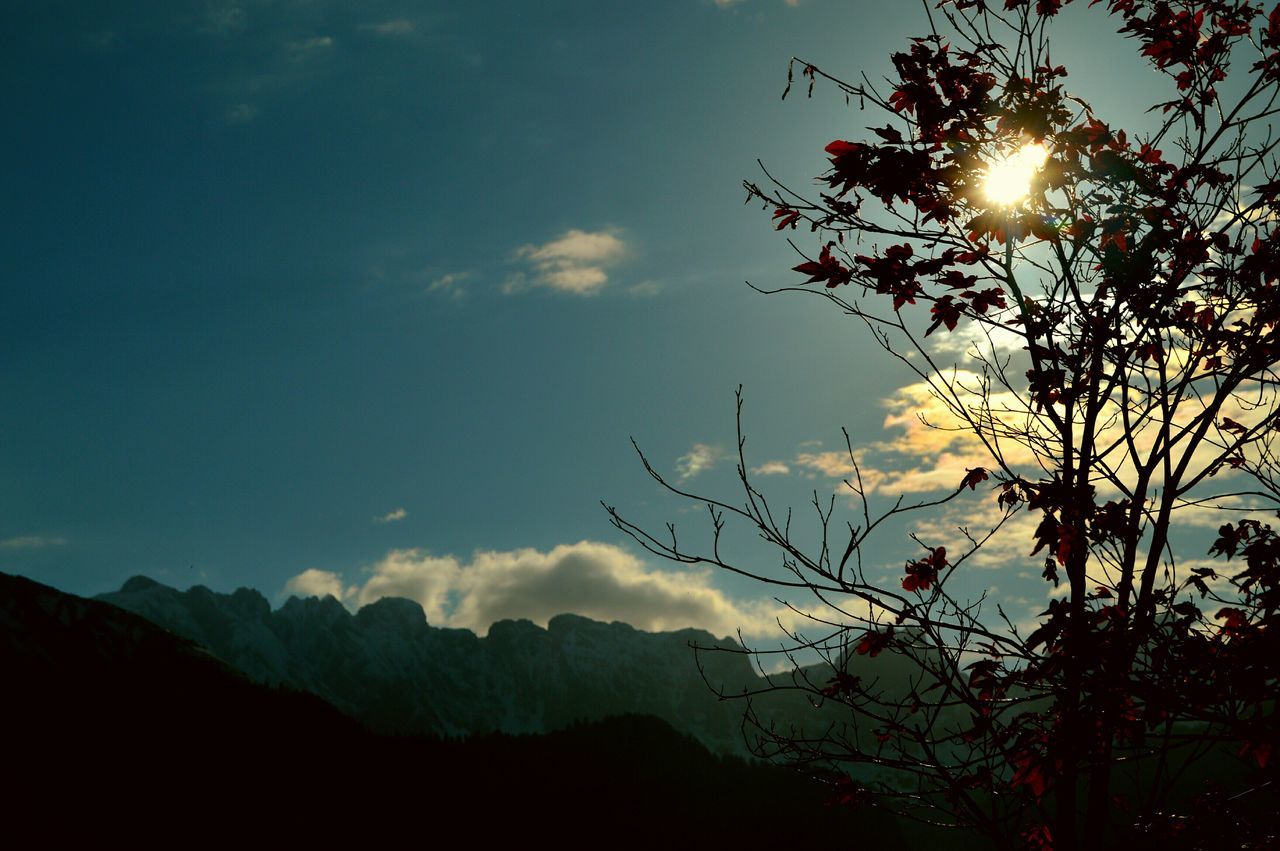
(117, 729)
(387, 666)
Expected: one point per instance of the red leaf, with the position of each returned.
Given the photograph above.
(786, 217)
(1118, 238)
(923, 573)
(873, 643)
(840, 148)
(974, 477)
(1028, 772)
(1234, 620)
(902, 102)
(1038, 838)
(842, 683)
(945, 311)
(1260, 751)
(986, 299)
(1067, 538)
(825, 268)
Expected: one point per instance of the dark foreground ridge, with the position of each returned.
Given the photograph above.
(118, 729)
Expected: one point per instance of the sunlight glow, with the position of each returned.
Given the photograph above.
(1008, 182)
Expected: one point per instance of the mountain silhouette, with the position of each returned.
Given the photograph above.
(388, 667)
(119, 730)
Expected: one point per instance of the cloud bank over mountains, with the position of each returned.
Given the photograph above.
(589, 578)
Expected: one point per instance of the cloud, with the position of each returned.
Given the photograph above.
(303, 49)
(392, 516)
(516, 282)
(645, 289)
(1009, 548)
(593, 579)
(834, 464)
(700, 458)
(318, 583)
(31, 542)
(449, 284)
(573, 263)
(930, 447)
(931, 444)
(1240, 212)
(771, 468)
(398, 28)
(973, 337)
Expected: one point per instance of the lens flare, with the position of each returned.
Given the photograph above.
(1008, 182)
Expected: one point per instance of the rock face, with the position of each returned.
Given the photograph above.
(388, 667)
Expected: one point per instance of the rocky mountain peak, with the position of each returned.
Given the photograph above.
(251, 603)
(395, 612)
(135, 584)
(388, 667)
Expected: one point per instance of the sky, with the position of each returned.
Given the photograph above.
(370, 298)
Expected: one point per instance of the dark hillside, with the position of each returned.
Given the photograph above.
(118, 731)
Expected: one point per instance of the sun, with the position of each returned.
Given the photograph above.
(1008, 182)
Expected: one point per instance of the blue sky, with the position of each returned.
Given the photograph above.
(370, 297)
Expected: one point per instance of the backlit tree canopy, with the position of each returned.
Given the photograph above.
(1120, 291)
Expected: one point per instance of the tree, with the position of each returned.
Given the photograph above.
(1137, 275)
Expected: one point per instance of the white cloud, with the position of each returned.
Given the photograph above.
(700, 458)
(393, 516)
(834, 464)
(1240, 212)
(318, 583)
(573, 263)
(771, 468)
(971, 337)
(930, 446)
(593, 579)
(31, 542)
(1008, 549)
(398, 28)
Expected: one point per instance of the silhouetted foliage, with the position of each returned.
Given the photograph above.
(1125, 323)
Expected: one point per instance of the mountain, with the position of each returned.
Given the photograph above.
(118, 731)
(386, 666)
